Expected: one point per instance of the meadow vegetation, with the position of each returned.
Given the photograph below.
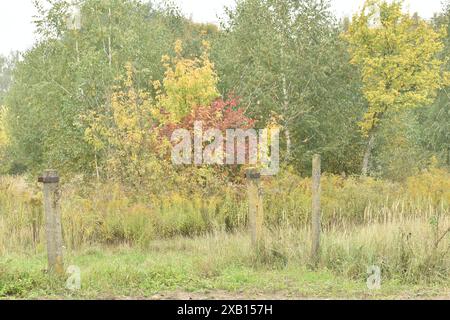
(194, 243)
(100, 103)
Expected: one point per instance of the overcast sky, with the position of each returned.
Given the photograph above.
(17, 30)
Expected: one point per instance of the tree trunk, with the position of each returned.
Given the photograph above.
(368, 154)
(288, 144)
(287, 132)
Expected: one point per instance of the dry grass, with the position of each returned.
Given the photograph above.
(366, 222)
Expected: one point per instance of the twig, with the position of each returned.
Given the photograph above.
(441, 238)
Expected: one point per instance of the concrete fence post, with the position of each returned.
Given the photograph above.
(316, 209)
(255, 202)
(53, 226)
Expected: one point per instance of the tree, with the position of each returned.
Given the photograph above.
(133, 132)
(287, 62)
(124, 134)
(71, 73)
(398, 56)
(6, 70)
(188, 83)
(7, 65)
(3, 135)
(5, 80)
(434, 122)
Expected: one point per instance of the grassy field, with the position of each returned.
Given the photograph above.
(172, 141)
(189, 248)
(215, 267)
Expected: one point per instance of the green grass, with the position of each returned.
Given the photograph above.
(185, 247)
(190, 268)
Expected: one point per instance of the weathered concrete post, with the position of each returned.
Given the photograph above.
(53, 227)
(255, 204)
(316, 210)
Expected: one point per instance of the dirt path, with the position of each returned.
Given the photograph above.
(224, 295)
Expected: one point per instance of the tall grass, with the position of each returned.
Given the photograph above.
(400, 227)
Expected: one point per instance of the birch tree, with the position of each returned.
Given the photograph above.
(399, 59)
(287, 61)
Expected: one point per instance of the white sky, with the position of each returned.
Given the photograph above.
(17, 30)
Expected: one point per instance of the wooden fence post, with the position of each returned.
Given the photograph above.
(316, 210)
(53, 227)
(255, 204)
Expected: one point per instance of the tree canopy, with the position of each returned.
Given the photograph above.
(372, 89)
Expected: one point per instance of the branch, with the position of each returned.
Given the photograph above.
(438, 241)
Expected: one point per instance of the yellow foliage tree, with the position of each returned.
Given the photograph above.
(188, 83)
(399, 60)
(125, 132)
